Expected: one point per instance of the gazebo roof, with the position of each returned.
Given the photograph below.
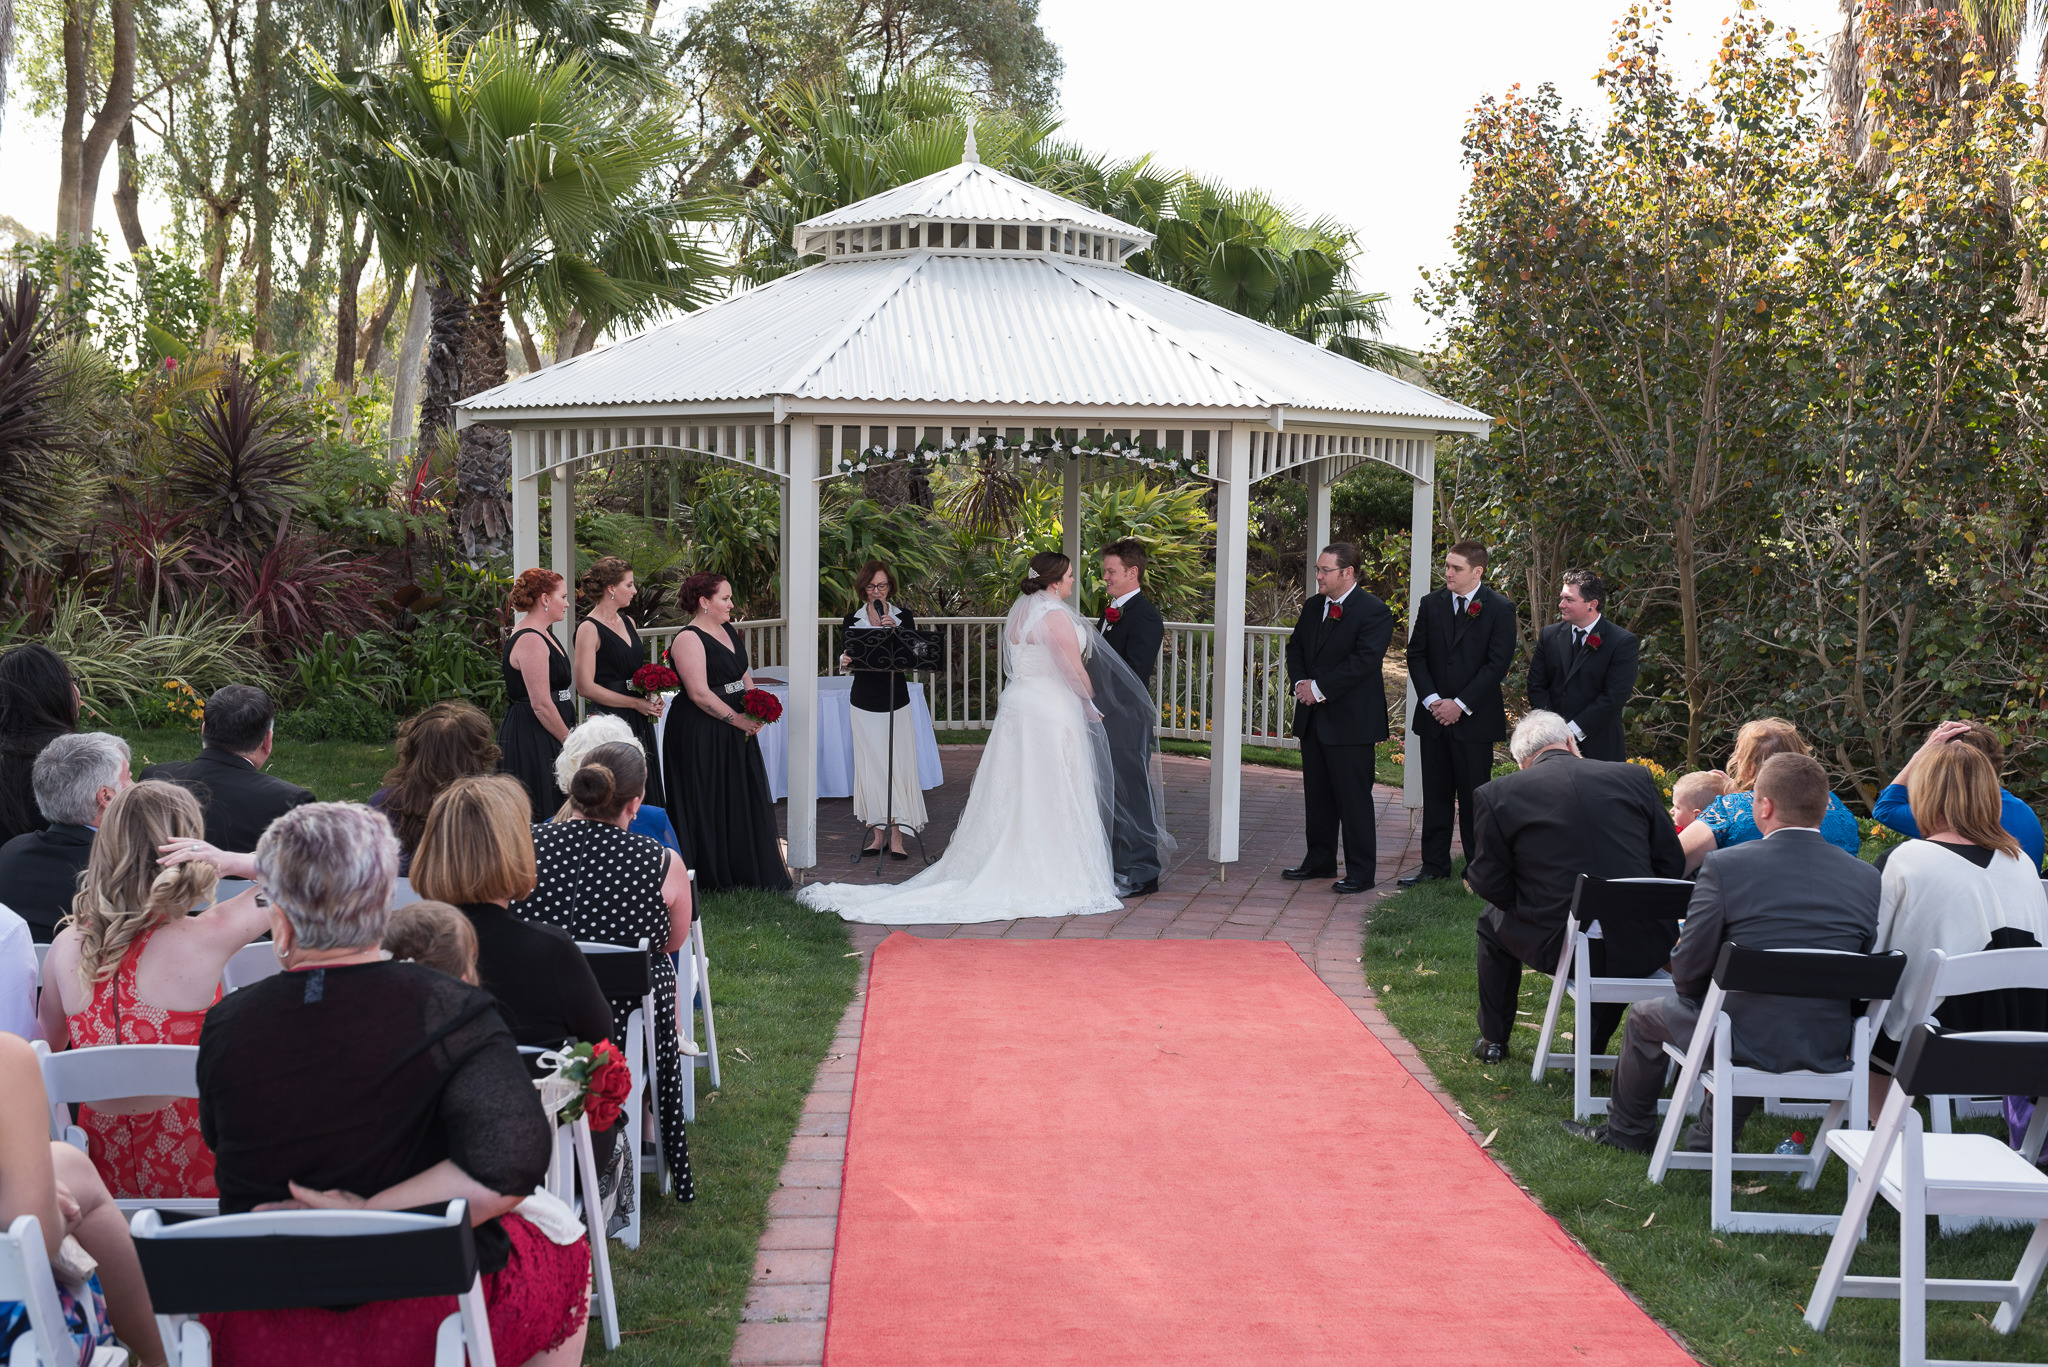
(1035, 316)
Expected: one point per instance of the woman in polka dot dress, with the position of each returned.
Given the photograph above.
(604, 884)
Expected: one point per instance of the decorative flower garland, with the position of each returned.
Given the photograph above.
(1063, 446)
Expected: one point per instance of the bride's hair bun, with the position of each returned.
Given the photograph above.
(1047, 569)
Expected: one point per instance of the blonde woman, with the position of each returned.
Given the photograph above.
(131, 965)
(1728, 819)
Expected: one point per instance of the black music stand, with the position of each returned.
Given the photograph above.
(894, 651)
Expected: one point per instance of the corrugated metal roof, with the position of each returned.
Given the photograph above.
(995, 329)
(974, 192)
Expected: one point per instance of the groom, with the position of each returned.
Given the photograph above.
(1133, 628)
(1340, 713)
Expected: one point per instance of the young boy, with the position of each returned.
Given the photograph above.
(1693, 792)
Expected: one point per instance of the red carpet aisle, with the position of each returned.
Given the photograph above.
(1159, 1152)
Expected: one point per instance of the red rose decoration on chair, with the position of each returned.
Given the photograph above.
(652, 679)
(1112, 615)
(1336, 612)
(761, 703)
(1593, 641)
(609, 1084)
(1472, 608)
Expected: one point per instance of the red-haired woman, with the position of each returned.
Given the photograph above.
(718, 794)
(539, 688)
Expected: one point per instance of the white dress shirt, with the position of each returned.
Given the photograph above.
(1123, 598)
(18, 977)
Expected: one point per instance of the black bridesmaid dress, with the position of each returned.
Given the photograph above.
(718, 795)
(617, 657)
(525, 749)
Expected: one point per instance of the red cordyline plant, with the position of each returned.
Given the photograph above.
(238, 464)
(30, 435)
(292, 590)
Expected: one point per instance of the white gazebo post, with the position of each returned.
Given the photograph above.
(1230, 466)
(1070, 519)
(1421, 566)
(801, 579)
(562, 487)
(525, 500)
(1320, 477)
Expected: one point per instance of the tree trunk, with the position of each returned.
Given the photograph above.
(264, 60)
(127, 198)
(534, 360)
(83, 152)
(447, 337)
(405, 389)
(346, 304)
(568, 340)
(370, 344)
(483, 466)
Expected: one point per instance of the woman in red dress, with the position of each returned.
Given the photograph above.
(132, 966)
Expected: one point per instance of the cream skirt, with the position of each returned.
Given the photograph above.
(871, 769)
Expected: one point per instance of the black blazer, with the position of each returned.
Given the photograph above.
(1540, 828)
(240, 800)
(1790, 890)
(1136, 635)
(39, 875)
(543, 984)
(871, 691)
(1344, 659)
(1590, 687)
(1464, 658)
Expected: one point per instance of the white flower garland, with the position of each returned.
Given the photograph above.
(1062, 446)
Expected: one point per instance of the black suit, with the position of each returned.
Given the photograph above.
(1135, 636)
(1541, 828)
(1587, 686)
(1343, 658)
(240, 800)
(39, 875)
(1461, 656)
(1790, 890)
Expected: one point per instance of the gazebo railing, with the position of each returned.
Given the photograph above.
(963, 696)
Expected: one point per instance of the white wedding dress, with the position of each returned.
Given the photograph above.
(1033, 839)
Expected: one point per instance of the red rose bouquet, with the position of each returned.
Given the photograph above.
(761, 703)
(608, 1085)
(652, 679)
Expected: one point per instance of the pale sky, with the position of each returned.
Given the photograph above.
(1350, 108)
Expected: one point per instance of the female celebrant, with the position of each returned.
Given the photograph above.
(879, 799)
(718, 794)
(608, 652)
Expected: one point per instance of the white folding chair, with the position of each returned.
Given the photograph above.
(283, 1259)
(42, 953)
(693, 979)
(250, 964)
(115, 1072)
(572, 1180)
(1708, 1064)
(402, 894)
(624, 971)
(1598, 904)
(25, 1276)
(1924, 1174)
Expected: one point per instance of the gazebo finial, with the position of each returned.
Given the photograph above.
(971, 156)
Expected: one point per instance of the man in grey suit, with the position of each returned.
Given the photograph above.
(1789, 890)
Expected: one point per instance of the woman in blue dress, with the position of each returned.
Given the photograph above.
(1729, 819)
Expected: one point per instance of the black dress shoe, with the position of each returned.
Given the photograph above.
(1599, 1134)
(1349, 885)
(1305, 873)
(1425, 876)
(1486, 1051)
(1150, 885)
(871, 853)
(895, 854)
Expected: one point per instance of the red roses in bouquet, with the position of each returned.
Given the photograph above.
(609, 1083)
(652, 679)
(759, 702)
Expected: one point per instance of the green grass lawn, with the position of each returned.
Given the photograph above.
(336, 770)
(1733, 1298)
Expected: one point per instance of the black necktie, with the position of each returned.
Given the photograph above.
(1459, 599)
(1578, 638)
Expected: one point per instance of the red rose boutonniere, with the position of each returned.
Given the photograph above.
(1593, 641)
(1472, 608)
(1112, 615)
(1336, 612)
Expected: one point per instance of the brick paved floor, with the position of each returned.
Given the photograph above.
(783, 1324)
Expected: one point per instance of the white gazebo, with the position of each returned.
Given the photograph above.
(966, 306)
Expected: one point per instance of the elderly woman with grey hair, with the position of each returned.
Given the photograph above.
(350, 1081)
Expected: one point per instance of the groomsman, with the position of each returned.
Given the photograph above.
(1333, 662)
(1458, 653)
(1584, 668)
(1133, 628)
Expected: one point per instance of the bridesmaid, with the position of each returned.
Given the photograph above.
(717, 785)
(608, 650)
(540, 700)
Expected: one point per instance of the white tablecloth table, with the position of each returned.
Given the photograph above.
(835, 736)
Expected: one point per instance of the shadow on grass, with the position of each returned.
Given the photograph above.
(1733, 1298)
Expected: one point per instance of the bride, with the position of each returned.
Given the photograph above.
(1034, 838)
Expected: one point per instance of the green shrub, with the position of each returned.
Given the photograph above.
(338, 717)
(118, 662)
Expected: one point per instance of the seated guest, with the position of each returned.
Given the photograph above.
(449, 740)
(1691, 794)
(1727, 820)
(349, 1081)
(38, 703)
(1791, 888)
(76, 776)
(1894, 807)
(477, 853)
(1964, 886)
(134, 966)
(238, 798)
(603, 884)
(434, 934)
(56, 1183)
(20, 976)
(1538, 830)
(604, 729)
